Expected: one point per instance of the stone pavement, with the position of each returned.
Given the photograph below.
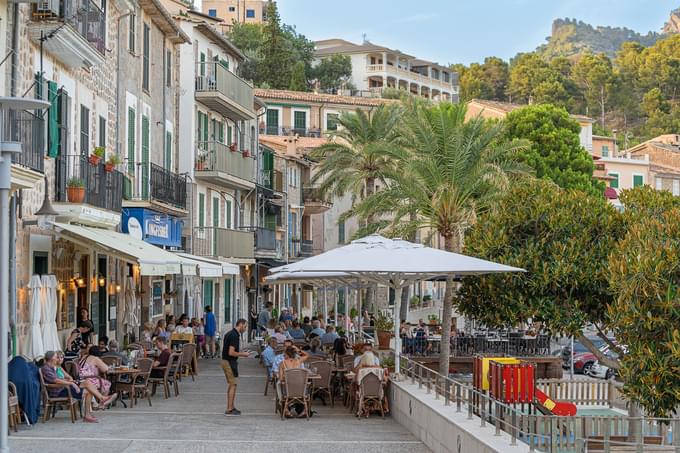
(195, 422)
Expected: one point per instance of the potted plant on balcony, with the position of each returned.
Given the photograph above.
(75, 190)
(245, 153)
(111, 163)
(97, 155)
(233, 146)
(384, 326)
(201, 162)
(433, 319)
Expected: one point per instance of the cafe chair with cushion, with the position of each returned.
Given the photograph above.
(324, 385)
(169, 376)
(371, 395)
(50, 403)
(296, 387)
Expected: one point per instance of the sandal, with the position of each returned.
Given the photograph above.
(90, 419)
(106, 402)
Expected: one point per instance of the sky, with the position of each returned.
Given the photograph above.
(463, 31)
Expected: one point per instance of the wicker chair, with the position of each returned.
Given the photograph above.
(323, 385)
(51, 403)
(187, 361)
(13, 407)
(170, 373)
(370, 391)
(296, 387)
(112, 360)
(139, 387)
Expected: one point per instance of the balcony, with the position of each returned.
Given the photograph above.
(224, 92)
(218, 164)
(224, 243)
(314, 202)
(410, 76)
(148, 185)
(288, 130)
(272, 180)
(76, 30)
(306, 248)
(26, 129)
(103, 189)
(265, 242)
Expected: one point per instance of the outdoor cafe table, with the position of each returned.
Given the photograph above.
(114, 375)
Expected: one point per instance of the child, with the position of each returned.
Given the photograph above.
(199, 334)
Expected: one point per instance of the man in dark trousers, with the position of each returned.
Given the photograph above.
(231, 351)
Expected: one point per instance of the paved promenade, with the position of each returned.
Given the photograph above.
(195, 422)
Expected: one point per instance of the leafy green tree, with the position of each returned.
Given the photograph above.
(473, 84)
(563, 239)
(277, 55)
(298, 80)
(660, 67)
(594, 75)
(555, 153)
(453, 171)
(526, 72)
(333, 71)
(497, 74)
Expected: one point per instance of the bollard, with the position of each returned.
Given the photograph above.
(458, 398)
(497, 421)
(447, 392)
(513, 431)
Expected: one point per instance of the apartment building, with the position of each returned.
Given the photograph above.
(376, 67)
(236, 11)
(663, 154)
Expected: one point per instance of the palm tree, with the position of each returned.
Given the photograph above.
(358, 154)
(455, 171)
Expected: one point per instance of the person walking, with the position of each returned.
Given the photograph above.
(209, 330)
(264, 317)
(231, 351)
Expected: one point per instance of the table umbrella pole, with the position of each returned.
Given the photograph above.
(360, 316)
(325, 306)
(397, 325)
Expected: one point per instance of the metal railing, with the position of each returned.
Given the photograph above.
(265, 239)
(27, 128)
(288, 130)
(213, 76)
(312, 194)
(223, 242)
(149, 181)
(216, 156)
(306, 248)
(272, 180)
(548, 433)
(103, 189)
(85, 16)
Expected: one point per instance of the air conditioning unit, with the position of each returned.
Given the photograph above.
(47, 7)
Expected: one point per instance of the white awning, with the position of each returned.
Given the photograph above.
(205, 269)
(227, 268)
(152, 260)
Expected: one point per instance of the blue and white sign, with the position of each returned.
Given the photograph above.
(153, 227)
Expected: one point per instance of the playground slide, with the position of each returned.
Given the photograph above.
(548, 406)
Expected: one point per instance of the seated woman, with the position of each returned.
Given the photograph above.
(160, 330)
(293, 358)
(53, 373)
(271, 326)
(279, 335)
(76, 341)
(92, 366)
(367, 365)
(147, 333)
(315, 348)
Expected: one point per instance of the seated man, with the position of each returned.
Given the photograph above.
(269, 354)
(330, 336)
(157, 370)
(316, 329)
(279, 358)
(296, 332)
(279, 335)
(368, 347)
(114, 352)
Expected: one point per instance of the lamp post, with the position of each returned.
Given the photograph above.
(7, 149)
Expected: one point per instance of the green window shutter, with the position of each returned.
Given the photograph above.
(202, 69)
(131, 141)
(145, 157)
(208, 293)
(614, 183)
(272, 122)
(332, 122)
(638, 180)
(213, 127)
(53, 120)
(228, 135)
(227, 300)
(267, 160)
(220, 132)
(225, 64)
(145, 61)
(216, 212)
(201, 210)
(300, 120)
(228, 214)
(168, 151)
(270, 222)
(199, 125)
(205, 128)
(39, 86)
(341, 232)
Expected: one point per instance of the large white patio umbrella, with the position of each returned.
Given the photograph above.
(34, 345)
(396, 263)
(131, 319)
(50, 337)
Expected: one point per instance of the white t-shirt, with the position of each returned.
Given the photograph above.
(182, 329)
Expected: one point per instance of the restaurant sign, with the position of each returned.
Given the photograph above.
(158, 229)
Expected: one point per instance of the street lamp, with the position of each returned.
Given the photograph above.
(7, 149)
(45, 215)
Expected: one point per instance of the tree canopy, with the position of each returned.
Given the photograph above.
(332, 72)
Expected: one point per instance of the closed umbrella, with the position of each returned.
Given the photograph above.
(35, 346)
(49, 314)
(131, 316)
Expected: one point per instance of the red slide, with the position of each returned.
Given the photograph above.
(550, 407)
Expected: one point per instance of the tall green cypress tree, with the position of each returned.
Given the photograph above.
(276, 52)
(298, 80)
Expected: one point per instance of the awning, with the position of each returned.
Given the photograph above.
(205, 269)
(152, 260)
(227, 268)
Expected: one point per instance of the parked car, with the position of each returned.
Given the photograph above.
(601, 371)
(582, 357)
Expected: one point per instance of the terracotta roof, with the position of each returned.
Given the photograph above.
(349, 47)
(220, 40)
(603, 137)
(664, 169)
(507, 107)
(302, 142)
(289, 95)
(163, 20)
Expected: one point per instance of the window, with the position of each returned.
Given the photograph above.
(658, 184)
(212, 12)
(341, 232)
(300, 120)
(227, 300)
(676, 187)
(638, 180)
(84, 130)
(203, 134)
(145, 59)
(250, 13)
(232, 9)
(145, 156)
(131, 33)
(201, 209)
(332, 121)
(102, 131)
(216, 212)
(272, 122)
(614, 183)
(207, 293)
(168, 151)
(605, 151)
(131, 141)
(168, 67)
(64, 109)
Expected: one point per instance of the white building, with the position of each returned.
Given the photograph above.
(375, 67)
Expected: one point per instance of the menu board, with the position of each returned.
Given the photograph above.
(113, 302)
(157, 298)
(94, 311)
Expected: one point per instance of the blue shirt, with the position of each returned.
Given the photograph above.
(268, 356)
(276, 363)
(318, 331)
(298, 334)
(329, 337)
(210, 324)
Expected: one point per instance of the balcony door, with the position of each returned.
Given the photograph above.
(145, 158)
(272, 121)
(215, 222)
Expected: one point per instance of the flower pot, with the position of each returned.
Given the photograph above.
(232, 147)
(246, 153)
(94, 159)
(109, 167)
(75, 194)
(384, 339)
